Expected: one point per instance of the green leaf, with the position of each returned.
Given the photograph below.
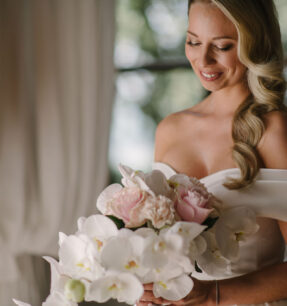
(197, 269)
(209, 222)
(118, 222)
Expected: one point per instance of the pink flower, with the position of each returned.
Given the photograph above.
(124, 202)
(193, 202)
(136, 206)
(157, 209)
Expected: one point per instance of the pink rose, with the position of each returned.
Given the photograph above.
(124, 202)
(136, 206)
(193, 203)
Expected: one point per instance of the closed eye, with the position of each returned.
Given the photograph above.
(193, 44)
(225, 48)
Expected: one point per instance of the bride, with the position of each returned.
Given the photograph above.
(235, 141)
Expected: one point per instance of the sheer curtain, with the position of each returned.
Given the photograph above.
(56, 89)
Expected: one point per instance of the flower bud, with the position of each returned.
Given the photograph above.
(75, 290)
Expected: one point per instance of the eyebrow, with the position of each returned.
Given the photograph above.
(215, 38)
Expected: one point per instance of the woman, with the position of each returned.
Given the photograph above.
(240, 129)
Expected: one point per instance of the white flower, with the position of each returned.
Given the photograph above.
(58, 283)
(19, 303)
(132, 178)
(77, 255)
(99, 228)
(234, 225)
(154, 182)
(75, 290)
(123, 253)
(173, 289)
(54, 299)
(158, 183)
(58, 299)
(163, 254)
(211, 261)
(124, 287)
(189, 231)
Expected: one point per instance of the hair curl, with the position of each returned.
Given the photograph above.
(260, 50)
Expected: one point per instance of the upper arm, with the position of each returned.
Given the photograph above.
(164, 136)
(273, 146)
(273, 149)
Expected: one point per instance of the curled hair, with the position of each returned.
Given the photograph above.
(260, 50)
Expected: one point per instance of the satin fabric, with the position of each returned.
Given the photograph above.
(267, 196)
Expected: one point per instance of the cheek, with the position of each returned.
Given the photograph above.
(189, 54)
(231, 61)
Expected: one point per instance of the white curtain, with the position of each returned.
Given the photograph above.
(56, 93)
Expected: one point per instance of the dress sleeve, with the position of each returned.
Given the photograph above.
(267, 196)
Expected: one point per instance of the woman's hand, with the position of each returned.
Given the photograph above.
(203, 293)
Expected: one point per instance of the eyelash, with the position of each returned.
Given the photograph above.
(227, 48)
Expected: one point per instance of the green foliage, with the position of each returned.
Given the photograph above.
(118, 222)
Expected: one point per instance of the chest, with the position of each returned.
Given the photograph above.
(202, 150)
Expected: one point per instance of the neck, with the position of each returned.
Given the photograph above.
(227, 100)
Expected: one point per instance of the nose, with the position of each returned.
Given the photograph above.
(207, 57)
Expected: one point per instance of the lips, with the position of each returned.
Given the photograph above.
(210, 76)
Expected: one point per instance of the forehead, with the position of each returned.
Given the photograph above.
(206, 19)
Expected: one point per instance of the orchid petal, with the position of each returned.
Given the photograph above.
(124, 287)
(62, 237)
(19, 303)
(58, 280)
(58, 299)
(174, 289)
(99, 228)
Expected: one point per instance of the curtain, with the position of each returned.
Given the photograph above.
(56, 93)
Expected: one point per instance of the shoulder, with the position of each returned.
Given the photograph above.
(273, 145)
(166, 133)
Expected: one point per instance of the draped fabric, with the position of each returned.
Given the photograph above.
(267, 197)
(56, 93)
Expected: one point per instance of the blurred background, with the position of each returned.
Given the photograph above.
(84, 84)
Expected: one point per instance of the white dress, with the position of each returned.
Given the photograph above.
(268, 198)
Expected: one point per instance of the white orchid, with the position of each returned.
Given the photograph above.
(58, 299)
(189, 231)
(234, 225)
(59, 293)
(154, 182)
(124, 287)
(77, 255)
(163, 255)
(133, 178)
(211, 261)
(99, 228)
(64, 290)
(174, 289)
(19, 303)
(128, 248)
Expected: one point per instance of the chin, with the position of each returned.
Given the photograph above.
(212, 87)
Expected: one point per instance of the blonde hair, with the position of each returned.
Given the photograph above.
(260, 50)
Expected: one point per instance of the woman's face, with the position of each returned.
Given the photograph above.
(211, 48)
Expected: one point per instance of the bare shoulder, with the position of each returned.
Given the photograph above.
(166, 133)
(273, 145)
(170, 130)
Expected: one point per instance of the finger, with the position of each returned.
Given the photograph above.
(141, 303)
(148, 286)
(149, 297)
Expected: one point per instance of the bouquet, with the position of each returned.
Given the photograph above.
(151, 230)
